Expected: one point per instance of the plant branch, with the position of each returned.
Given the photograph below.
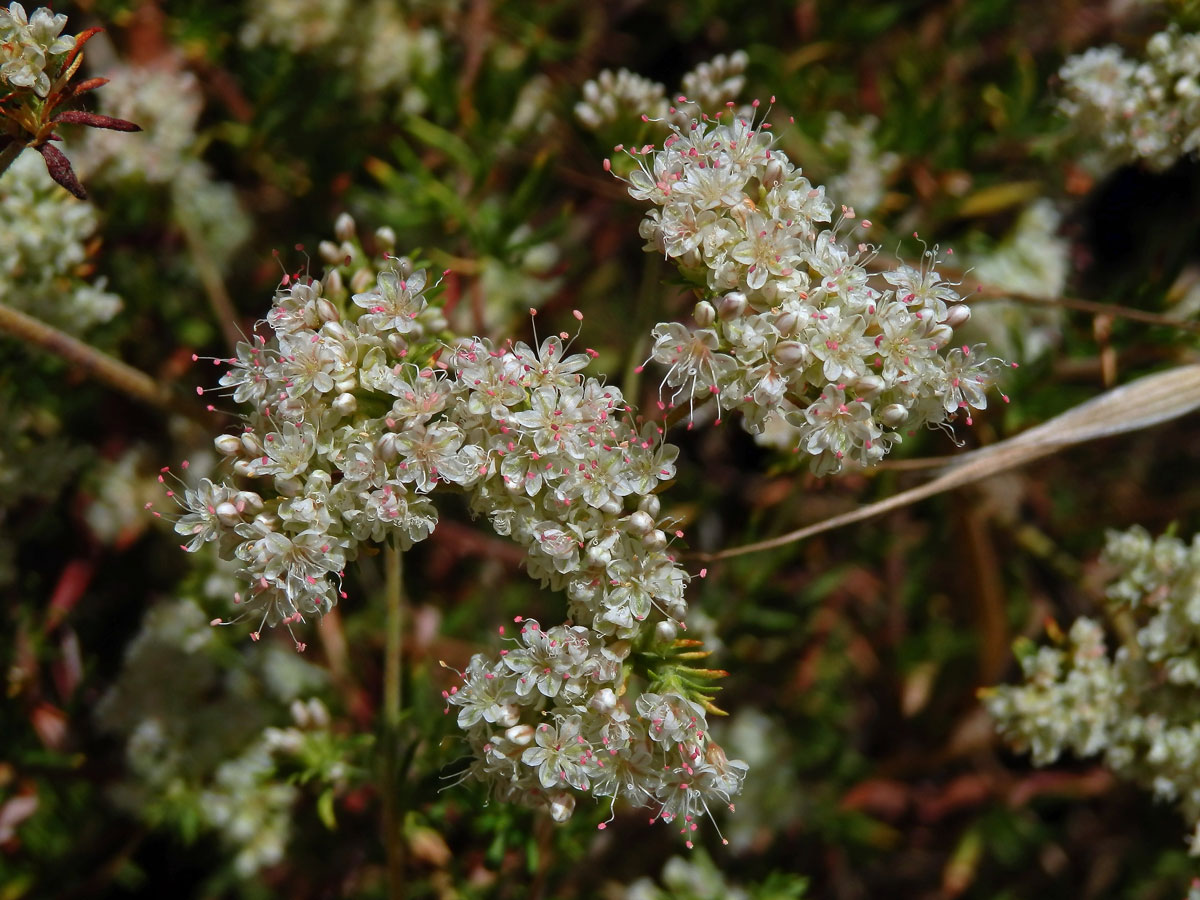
(10, 153)
(95, 363)
(1140, 404)
(986, 293)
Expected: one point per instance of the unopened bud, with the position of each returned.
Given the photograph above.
(385, 448)
(641, 522)
(345, 404)
(362, 280)
(344, 227)
(508, 715)
(228, 444)
(612, 506)
(397, 344)
(655, 540)
(786, 323)
(520, 735)
(250, 502)
(562, 805)
(385, 237)
(665, 632)
(251, 444)
(288, 485)
(228, 515)
(346, 383)
(773, 173)
(404, 266)
(893, 415)
(793, 354)
(869, 385)
(650, 504)
(704, 314)
(328, 312)
(333, 329)
(731, 305)
(940, 334)
(333, 283)
(957, 315)
(677, 610)
(329, 252)
(603, 701)
(598, 557)
(243, 468)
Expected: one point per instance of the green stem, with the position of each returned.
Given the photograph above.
(393, 812)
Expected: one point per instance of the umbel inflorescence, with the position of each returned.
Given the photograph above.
(362, 404)
(793, 322)
(1138, 706)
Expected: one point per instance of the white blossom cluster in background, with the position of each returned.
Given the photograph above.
(374, 40)
(27, 45)
(195, 741)
(1139, 706)
(698, 878)
(793, 323)
(45, 259)
(362, 404)
(1147, 111)
(618, 98)
(167, 102)
(863, 170)
(1033, 259)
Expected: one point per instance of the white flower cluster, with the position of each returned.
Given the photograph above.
(373, 40)
(26, 45)
(863, 169)
(167, 101)
(1145, 111)
(362, 406)
(195, 745)
(621, 96)
(1140, 706)
(44, 254)
(1032, 259)
(792, 324)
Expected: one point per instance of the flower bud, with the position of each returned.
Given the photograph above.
(617, 650)
(773, 173)
(346, 383)
(665, 632)
(731, 305)
(894, 415)
(362, 280)
(385, 448)
(251, 444)
(288, 485)
(333, 283)
(612, 506)
(598, 557)
(562, 805)
(228, 515)
(397, 344)
(603, 701)
(650, 504)
(228, 444)
(508, 715)
(869, 385)
(333, 329)
(385, 237)
(329, 252)
(704, 314)
(248, 500)
(793, 354)
(404, 266)
(957, 315)
(677, 610)
(244, 468)
(299, 711)
(344, 227)
(328, 312)
(940, 334)
(520, 735)
(786, 323)
(345, 404)
(655, 540)
(641, 522)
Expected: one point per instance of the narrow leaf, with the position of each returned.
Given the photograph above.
(94, 120)
(60, 170)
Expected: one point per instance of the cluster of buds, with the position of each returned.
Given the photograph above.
(37, 65)
(362, 404)
(792, 323)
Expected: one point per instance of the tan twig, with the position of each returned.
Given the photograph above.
(986, 293)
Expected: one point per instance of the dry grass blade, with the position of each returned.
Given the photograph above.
(1140, 404)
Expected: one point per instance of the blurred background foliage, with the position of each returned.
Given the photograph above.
(146, 755)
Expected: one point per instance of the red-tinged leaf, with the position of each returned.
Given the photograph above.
(82, 38)
(50, 724)
(72, 583)
(15, 811)
(93, 120)
(89, 84)
(60, 170)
